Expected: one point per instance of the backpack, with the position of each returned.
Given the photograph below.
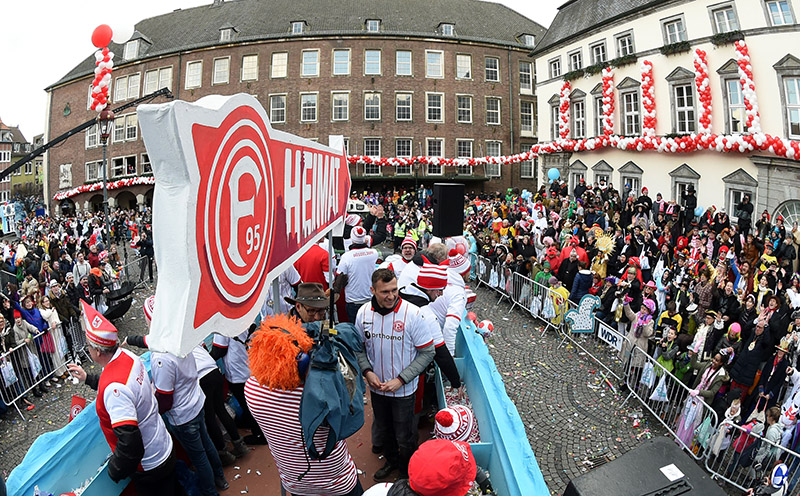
(333, 388)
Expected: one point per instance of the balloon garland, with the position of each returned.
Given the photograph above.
(563, 111)
(122, 183)
(753, 120)
(104, 62)
(648, 100)
(608, 101)
(703, 90)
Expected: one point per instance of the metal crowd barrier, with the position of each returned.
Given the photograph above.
(670, 402)
(743, 458)
(28, 365)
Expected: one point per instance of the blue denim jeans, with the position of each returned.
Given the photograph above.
(195, 440)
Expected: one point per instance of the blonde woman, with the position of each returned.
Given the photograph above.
(50, 315)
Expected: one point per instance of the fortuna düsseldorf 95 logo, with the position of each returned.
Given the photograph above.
(234, 206)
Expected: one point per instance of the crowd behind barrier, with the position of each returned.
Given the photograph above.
(742, 456)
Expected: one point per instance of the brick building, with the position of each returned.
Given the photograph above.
(13, 146)
(450, 78)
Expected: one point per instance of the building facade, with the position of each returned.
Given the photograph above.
(450, 79)
(585, 38)
(13, 146)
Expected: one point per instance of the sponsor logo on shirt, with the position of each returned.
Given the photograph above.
(387, 336)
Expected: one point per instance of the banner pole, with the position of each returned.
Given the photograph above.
(276, 296)
(330, 276)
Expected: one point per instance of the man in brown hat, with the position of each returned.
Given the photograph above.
(310, 304)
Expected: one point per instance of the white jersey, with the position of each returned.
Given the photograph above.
(178, 377)
(358, 264)
(430, 318)
(237, 369)
(203, 360)
(395, 263)
(409, 275)
(290, 277)
(391, 341)
(125, 397)
(450, 307)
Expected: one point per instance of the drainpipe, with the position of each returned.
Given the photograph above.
(510, 105)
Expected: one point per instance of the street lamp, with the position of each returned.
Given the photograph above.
(105, 123)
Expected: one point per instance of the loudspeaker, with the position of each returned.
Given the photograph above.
(657, 466)
(448, 209)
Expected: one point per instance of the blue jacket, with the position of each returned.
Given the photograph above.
(581, 286)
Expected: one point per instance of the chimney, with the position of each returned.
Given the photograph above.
(217, 3)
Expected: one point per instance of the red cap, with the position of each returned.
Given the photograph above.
(17, 314)
(442, 468)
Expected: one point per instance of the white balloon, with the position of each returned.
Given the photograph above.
(121, 32)
(98, 56)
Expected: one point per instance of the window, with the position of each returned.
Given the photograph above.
(346, 146)
(372, 62)
(575, 60)
(341, 62)
(131, 50)
(372, 147)
(434, 64)
(125, 128)
(779, 13)
(403, 106)
(493, 150)
(373, 26)
(493, 111)
(684, 108)
(250, 68)
(736, 112)
(194, 74)
(631, 183)
(464, 150)
(277, 108)
(94, 172)
(5, 155)
(91, 137)
(5, 195)
(599, 52)
(528, 40)
(434, 107)
(225, 35)
(630, 113)
(464, 109)
(147, 168)
(555, 68)
(310, 66)
(792, 87)
(463, 66)
(297, 27)
(526, 118)
(403, 63)
(279, 64)
(402, 148)
(448, 30)
(127, 87)
(525, 78)
(492, 69)
(372, 106)
(624, 43)
(527, 167)
(555, 115)
(578, 115)
(674, 30)
(123, 166)
(340, 105)
(221, 71)
(156, 79)
(434, 148)
(131, 129)
(308, 107)
(725, 20)
(65, 175)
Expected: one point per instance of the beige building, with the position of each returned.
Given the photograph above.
(587, 35)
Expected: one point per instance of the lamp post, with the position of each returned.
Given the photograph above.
(105, 123)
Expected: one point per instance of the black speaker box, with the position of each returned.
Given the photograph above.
(448, 209)
(646, 470)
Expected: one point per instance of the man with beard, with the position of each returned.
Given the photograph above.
(398, 262)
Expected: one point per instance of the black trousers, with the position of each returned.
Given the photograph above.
(149, 262)
(214, 407)
(396, 428)
(162, 480)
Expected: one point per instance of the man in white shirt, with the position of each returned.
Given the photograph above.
(354, 272)
(398, 346)
(450, 307)
(397, 262)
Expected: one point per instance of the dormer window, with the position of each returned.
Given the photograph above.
(225, 35)
(448, 30)
(528, 40)
(131, 49)
(373, 25)
(298, 27)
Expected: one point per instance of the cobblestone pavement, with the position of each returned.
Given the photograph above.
(52, 410)
(574, 422)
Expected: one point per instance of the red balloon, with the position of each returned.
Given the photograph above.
(101, 36)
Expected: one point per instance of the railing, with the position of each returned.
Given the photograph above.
(31, 363)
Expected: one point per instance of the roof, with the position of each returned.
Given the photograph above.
(576, 17)
(198, 27)
(16, 134)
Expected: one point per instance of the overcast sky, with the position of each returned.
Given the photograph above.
(42, 40)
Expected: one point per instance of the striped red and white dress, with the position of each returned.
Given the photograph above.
(277, 412)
